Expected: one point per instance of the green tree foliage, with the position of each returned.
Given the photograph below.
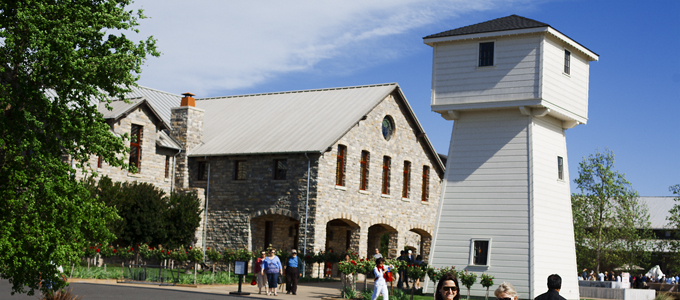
(674, 220)
(183, 216)
(77, 53)
(148, 216)
(611, 225)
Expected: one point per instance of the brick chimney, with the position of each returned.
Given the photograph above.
(187, 129)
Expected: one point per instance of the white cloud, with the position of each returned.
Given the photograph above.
(222, 45)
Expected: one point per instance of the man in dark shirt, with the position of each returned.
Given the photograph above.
(554, 286)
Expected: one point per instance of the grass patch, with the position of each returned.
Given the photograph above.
(113, 272)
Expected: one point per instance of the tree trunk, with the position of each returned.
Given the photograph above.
(195, 269)
(487, 293)
(468, 296)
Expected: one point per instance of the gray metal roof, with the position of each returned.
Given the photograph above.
(117, 108)
(120, 108)
(165, 140)
(160, 101)
(297, 121)
(658, 210)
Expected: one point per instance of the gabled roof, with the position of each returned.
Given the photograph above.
(511, 22)
(165, 140)
(290, 122)
(121, 109)
(161, 102)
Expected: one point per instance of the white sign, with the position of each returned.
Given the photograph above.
(240, 267)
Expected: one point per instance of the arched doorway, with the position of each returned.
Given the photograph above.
(279, 231)
(420, 242)
(342, 235)
(385, 238)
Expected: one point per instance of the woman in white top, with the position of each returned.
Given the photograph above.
(380, 285)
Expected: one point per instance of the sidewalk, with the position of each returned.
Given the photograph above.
(307, 290)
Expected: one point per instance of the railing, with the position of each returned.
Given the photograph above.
(149, 274)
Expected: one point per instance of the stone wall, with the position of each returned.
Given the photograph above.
(238, 209)
(152, 162)
(405, 216)
(187, 129)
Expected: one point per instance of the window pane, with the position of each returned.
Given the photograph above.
(280, 168)
(486, 54)
(481, 252)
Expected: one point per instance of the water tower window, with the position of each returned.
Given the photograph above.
(486, 54)
(480, 252)
(567, 62)
(560, 168)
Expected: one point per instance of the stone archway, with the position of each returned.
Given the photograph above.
(342, 235)
(421, 245)
(375, 238)
(281, 231)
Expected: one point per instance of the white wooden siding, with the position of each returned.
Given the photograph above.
(552, 253)
(569, 92)
(486, 196)
(458, 80)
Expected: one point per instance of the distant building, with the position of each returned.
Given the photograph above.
(357, 155)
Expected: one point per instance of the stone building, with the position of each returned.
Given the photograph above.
(349, 164)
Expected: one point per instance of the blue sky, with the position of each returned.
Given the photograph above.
(216, 49)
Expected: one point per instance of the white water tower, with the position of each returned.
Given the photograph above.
(512, 86)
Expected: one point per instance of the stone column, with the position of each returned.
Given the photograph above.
(395, 245)
(363, 239)
(425, 243)
(187, 129)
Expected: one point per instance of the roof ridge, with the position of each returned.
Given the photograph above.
(300, 91)
(155, 90)
(497, 24)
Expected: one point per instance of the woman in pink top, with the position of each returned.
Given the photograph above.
(261, 278)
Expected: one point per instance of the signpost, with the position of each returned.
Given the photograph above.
(240, 269)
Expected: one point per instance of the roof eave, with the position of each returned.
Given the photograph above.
(133, 107)
(255, 153)
(483, 35)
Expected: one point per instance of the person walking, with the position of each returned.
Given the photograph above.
(554, 287)
(261, 278)
(418, 262)
(403, 278)
(271, 265)
(447, 288)
(377, 254)
(292, 267)
(380, 285)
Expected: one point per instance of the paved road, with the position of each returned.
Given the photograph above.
(96, 291)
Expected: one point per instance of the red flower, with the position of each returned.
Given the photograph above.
(150, 248)
(91, 247)
(131, 249)
(309, 257)
(189, 247)
(114, 250)
(354, 263)
(97, 250)
(109, 246)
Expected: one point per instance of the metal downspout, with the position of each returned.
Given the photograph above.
(205, 219)
(304, 251)
(174, 168)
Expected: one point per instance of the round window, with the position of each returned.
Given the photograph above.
(387, 127)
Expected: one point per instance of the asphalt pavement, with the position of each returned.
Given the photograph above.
(109, 289)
